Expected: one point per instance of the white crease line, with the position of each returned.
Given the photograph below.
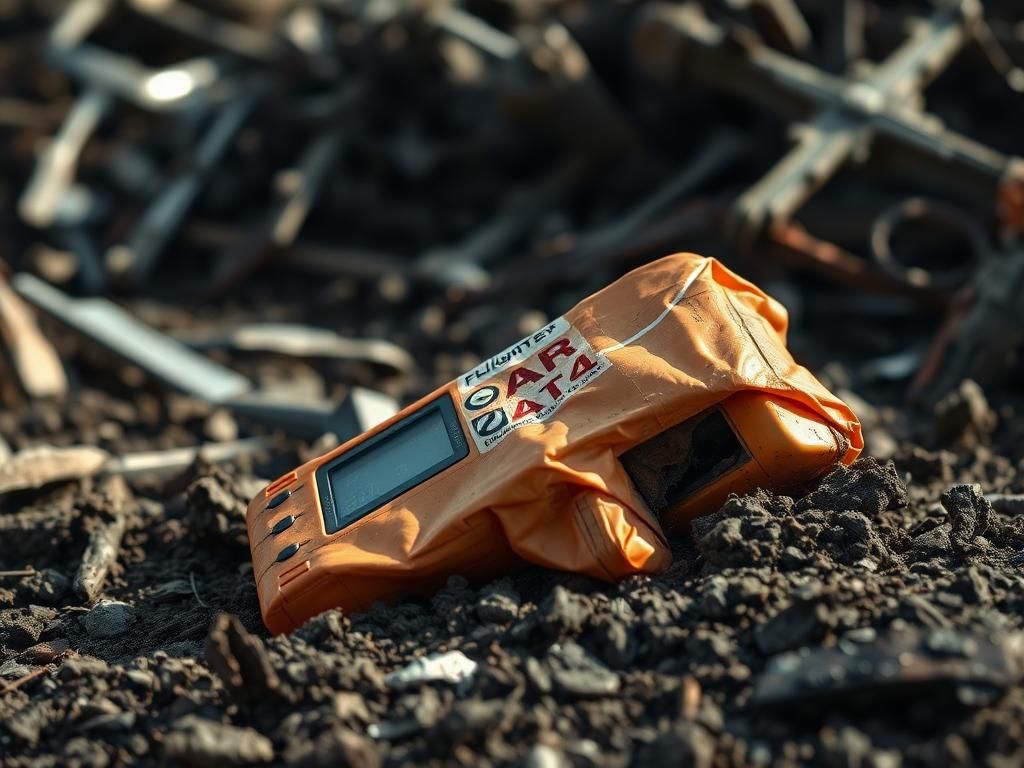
(671, 305)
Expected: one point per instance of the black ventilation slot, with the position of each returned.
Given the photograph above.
(676, 463)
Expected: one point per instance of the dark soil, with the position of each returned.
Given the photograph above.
(874, 622)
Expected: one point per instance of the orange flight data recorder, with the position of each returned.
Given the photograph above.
(577, 448)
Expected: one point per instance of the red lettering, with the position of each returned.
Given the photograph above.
(519, 377)
(552, 388)
(561, 347)
(525, 408)
(581, 365)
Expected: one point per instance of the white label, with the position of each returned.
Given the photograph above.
(528, 382)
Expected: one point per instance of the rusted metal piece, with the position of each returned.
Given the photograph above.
(795, 247)
(842, 115)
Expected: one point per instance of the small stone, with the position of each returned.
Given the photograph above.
(972, 586)
(964, 416)
(201, 743)
(108, 618)
(217, 510)
(141, 678)
(220, 426)
(45, 653)
(543, 756)
(339, 747)
(792, 558)
(933, 543)
(110, 723)
(798, 625)
(21, 627)
(351, 706)
(577, 673)
(866, 486)
(497, 608)
(714, 599)
(563, 612)
(48, 586)
(12, 669)
(969, 513)
(687, 743)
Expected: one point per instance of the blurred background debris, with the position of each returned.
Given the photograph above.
(233, 234)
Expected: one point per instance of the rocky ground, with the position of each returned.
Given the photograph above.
(469, 186)
(871, 622)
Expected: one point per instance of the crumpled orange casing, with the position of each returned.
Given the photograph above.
(529, 460)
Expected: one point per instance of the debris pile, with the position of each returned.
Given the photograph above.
(235, 233)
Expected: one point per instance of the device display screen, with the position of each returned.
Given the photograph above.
(390, 463)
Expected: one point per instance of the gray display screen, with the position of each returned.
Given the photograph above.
(392, 462)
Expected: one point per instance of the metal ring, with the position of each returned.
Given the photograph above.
(920, 210)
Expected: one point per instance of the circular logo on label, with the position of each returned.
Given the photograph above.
(486, 424)
(481, 398)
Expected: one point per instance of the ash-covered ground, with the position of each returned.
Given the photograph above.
(871, 622)
(443, 178)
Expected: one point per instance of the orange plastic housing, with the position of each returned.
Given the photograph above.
(522, 458)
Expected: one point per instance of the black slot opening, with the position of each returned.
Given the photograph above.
(674, 464)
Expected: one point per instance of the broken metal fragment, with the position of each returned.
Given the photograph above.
(176, 365)
(304, 341)
(114, 329)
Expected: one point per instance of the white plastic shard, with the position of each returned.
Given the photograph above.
(451, 667)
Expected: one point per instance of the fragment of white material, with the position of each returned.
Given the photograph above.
(35, 467)
(451, 667)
